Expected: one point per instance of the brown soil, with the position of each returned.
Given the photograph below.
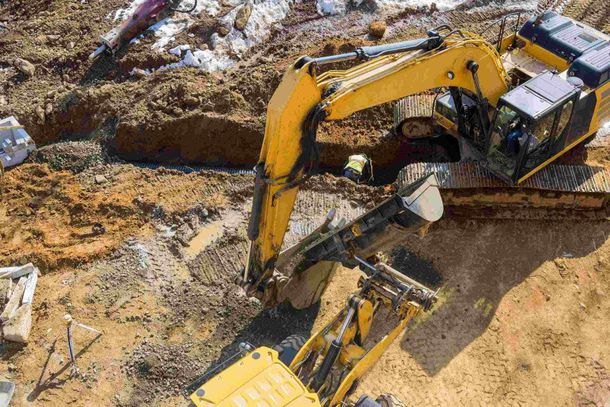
(148, 256)
(179, 115)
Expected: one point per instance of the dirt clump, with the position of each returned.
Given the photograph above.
(25, 67)
(377, 29)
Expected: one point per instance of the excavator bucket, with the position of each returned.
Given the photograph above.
(309, 265)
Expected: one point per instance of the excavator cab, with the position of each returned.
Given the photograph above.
(530, 126)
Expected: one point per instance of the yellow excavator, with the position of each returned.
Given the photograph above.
(324, 369)
(514, 106)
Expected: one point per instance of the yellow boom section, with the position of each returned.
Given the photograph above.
(393, 77)
(298, 104)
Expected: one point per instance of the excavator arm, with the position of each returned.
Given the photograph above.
(303, 99)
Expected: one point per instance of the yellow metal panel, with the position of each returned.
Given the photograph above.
(544, 55)
(365, 318)
(601, 115)
(367, 362)
(394, 77)
(296, 95)
(259, 379)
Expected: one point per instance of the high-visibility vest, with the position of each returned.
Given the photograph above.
(357, 163)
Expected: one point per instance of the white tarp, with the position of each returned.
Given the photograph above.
(15, 143)
(226, 50)
(332, 7)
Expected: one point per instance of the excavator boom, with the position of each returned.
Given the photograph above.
(303, 99)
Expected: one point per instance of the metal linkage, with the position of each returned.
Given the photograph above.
(410, 289)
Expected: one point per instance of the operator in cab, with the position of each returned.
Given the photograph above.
(359, 168)
(516, 139)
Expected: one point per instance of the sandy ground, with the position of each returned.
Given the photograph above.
(148, 255)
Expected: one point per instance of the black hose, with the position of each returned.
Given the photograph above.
(173, 7)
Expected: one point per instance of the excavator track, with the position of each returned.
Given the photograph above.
(413, 116)
(557, 191)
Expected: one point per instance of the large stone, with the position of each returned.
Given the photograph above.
(14, 302)
(25, 67)
(222, 29)
(16, 272)
(242, 16)
(17, 329)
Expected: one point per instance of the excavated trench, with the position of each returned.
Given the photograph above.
(202, 138)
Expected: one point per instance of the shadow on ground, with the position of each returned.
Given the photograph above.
(480, 262)
(268, 328)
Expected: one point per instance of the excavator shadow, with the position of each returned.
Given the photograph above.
(480, 263)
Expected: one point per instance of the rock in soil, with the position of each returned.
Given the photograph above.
(377, 29)
(25, 67)
(242, 17)
(18, 328)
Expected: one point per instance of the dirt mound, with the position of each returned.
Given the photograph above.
(74, 156)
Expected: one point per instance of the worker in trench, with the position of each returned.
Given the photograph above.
(359, 168)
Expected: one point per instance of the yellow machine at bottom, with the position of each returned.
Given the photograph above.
(258, 379)
(324, 369)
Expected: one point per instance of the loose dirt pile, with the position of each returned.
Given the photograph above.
(148, 255)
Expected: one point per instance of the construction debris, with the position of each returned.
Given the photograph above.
(70, 322)
(14, 302)
(146, 14)
(15, 143)
(6, 393)
(16, 272)
(18, 328)
(16, 318)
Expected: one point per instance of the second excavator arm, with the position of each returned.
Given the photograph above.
(303, 99)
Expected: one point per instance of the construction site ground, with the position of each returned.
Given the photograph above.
(139, 237)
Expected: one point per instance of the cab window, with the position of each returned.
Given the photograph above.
(545, 134)
(541, 133)
(507, 138)
(564, 117)
(446, 112)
